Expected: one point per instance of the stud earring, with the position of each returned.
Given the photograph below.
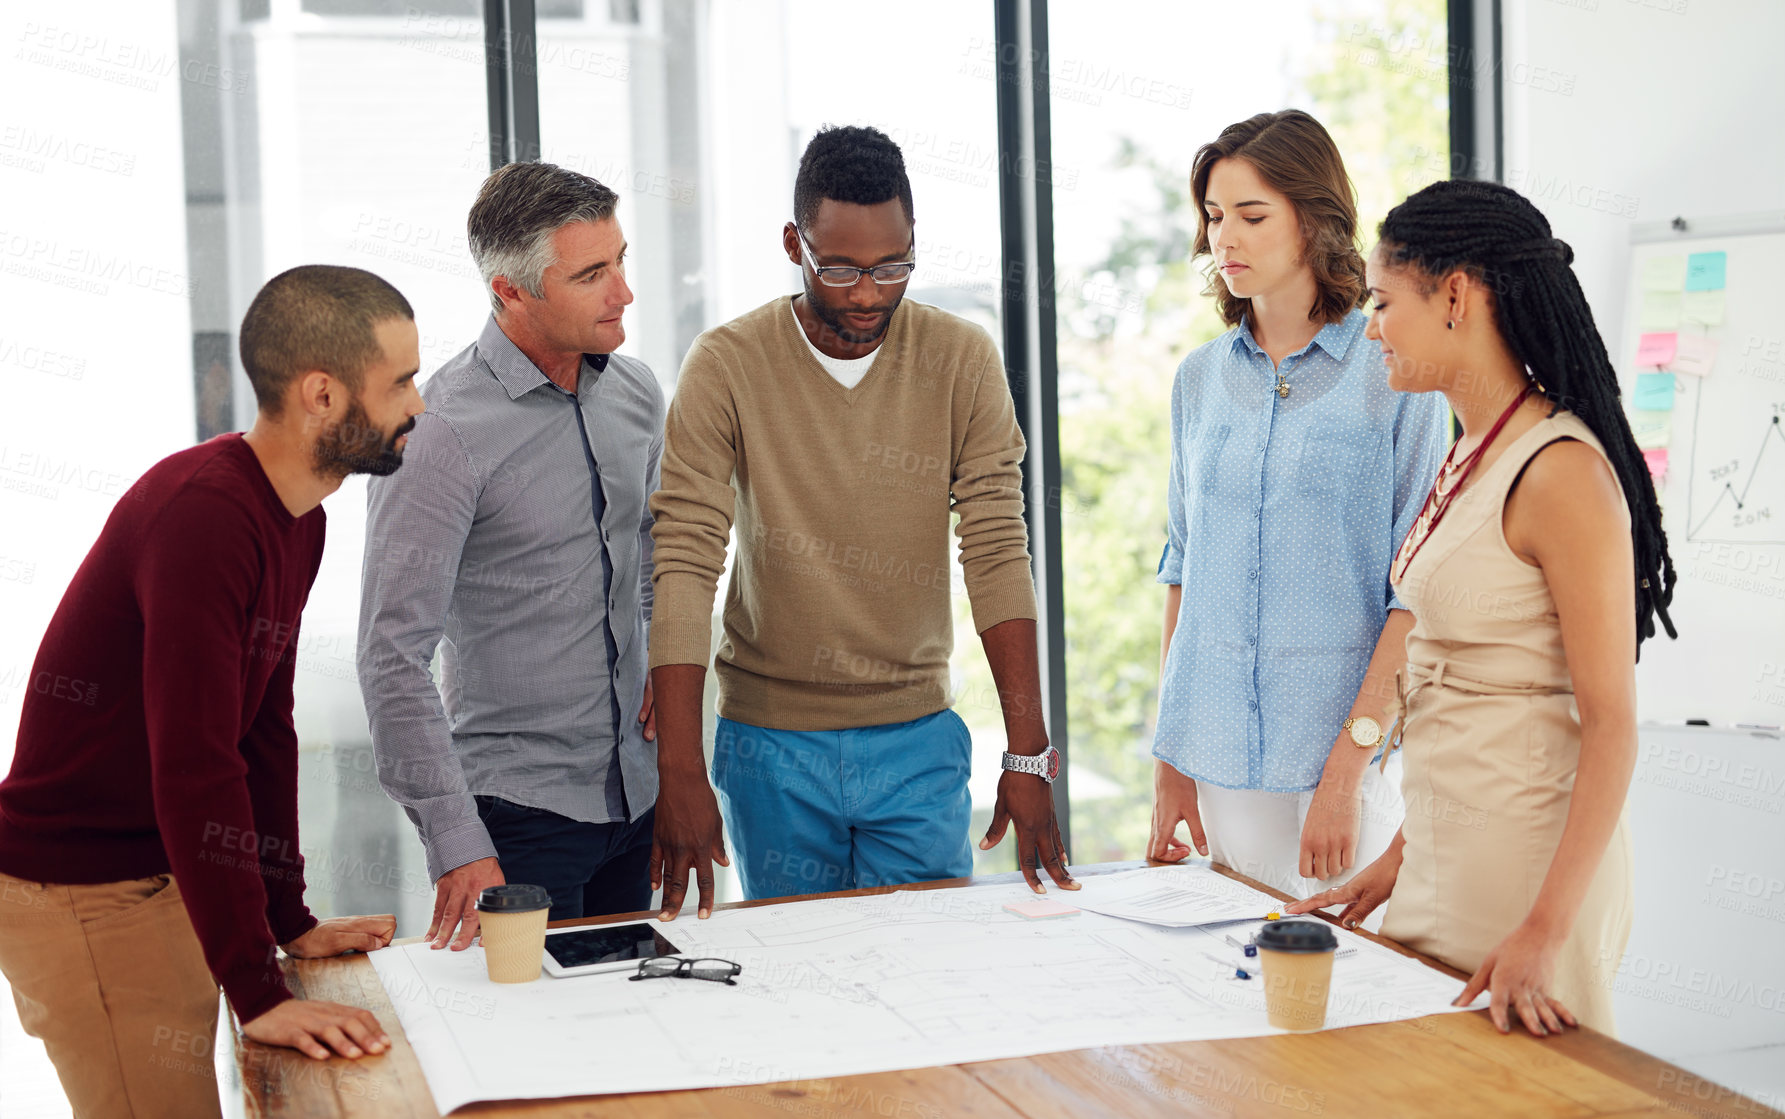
(1451, 325)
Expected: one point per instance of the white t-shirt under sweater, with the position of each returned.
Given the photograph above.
(846, 371)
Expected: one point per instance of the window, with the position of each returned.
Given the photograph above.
(1128, 113)
(358, 136)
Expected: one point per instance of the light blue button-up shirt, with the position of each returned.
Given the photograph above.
(1284, 513)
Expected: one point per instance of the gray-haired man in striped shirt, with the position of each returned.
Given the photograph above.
(518, 542)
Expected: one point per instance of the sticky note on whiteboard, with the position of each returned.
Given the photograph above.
(1701, 308)
(1660, 310)
(1651, 429)
(1657, 462)
(1664, 273)
(1654, 392)
(1655, 350)
(1706, 271)
(1693, 354)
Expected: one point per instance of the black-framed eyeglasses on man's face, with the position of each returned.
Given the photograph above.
(674, 967)
(848, 275)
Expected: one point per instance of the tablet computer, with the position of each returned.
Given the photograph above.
(587, 951)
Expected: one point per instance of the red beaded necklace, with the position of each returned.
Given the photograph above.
(1443, 493)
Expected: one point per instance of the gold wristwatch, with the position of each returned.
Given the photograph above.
(1365, 731)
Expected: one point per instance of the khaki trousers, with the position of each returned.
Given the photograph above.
(112, 979)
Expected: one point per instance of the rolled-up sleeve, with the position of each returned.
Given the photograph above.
(1422, 437)
(1171, 561)
(416, 523)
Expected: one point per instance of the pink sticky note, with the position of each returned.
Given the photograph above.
(1040, 907)
(1694, 354)
(1657, 460)
(1656, 350)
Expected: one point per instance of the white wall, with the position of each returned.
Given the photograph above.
(96, 378)
(1621, 111)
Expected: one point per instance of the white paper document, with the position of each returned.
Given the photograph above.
(845, 986)
(1175, 896)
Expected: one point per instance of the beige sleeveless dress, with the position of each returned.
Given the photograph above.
(1491, 738)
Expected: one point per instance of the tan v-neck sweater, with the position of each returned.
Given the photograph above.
(838, 610)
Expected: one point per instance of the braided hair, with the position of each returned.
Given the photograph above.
(1495, 235)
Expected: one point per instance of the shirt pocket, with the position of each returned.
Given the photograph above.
(1204, 459)
(1339, 463)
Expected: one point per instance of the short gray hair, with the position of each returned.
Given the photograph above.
(517, 211)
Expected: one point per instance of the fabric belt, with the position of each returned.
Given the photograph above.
(1413, 678)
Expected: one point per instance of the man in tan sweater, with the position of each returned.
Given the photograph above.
(837, 430)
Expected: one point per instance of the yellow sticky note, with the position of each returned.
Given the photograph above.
(1660, 310)
(1664, 273)
(1653, 430)
(1702, 308)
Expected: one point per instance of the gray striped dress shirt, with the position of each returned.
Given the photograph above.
(485, 545)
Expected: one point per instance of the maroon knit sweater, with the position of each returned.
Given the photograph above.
(156, 735)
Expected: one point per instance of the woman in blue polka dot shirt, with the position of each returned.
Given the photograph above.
(1295, 473)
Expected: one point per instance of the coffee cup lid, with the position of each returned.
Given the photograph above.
(1296, 936)
(513, 898)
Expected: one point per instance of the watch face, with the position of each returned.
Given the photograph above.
(1366, 731)
(1050, 762)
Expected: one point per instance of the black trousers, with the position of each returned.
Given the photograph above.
(590, 870)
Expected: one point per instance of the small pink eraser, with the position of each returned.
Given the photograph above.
(1040, 907)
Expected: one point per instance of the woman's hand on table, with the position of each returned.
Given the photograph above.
(1329, 835)
(338, 935)
(314, 1028)
(1368, 889)
(1174, 802)
(1518, 973)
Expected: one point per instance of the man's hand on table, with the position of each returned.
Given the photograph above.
(314, 1027)
(689, 836)
(1028, 802)
(455, 902)
(339, 935)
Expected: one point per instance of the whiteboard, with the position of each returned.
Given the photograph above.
(1723, 496)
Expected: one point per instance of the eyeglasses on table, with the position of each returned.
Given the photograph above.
(675, 967)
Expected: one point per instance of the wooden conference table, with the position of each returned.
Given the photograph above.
(1453, 1065)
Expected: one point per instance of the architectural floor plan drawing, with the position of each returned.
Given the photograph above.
(854, 985)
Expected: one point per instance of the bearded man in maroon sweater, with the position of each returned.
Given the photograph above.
(148, 828)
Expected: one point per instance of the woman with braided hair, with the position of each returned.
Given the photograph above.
(1535, 570)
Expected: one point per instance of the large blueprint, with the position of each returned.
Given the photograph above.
(855, 985)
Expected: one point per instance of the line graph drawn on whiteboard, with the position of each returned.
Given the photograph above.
(1736, 489)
